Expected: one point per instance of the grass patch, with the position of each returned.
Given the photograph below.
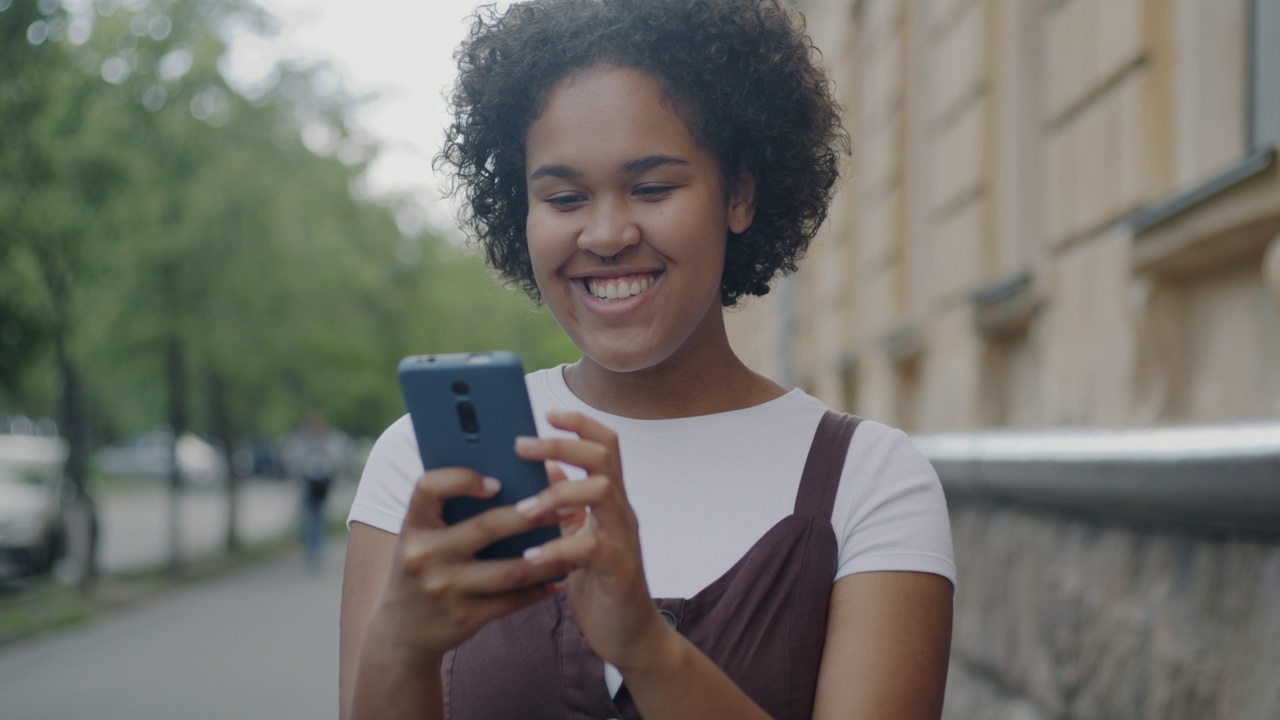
(40, 606)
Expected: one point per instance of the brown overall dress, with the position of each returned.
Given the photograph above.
(763, 622)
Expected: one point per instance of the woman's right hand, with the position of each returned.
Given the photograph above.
(438, 594)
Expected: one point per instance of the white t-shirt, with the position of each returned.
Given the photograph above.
(706, 488)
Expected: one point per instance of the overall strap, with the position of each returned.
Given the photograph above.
(821, 478)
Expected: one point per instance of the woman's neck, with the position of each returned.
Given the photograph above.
(712, 380)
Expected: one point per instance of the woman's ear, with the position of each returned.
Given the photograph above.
(742, 201)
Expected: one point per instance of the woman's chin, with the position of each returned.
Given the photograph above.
(622, 360)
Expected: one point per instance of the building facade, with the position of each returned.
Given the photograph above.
(1058, 212)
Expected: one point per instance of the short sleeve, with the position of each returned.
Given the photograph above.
(890, 512)
(389, 476)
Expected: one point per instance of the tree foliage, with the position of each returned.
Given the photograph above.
(146, 205)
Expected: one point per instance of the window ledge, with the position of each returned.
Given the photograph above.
(904, 345)
(1230, 216)
(1005, 309)
(1254, 163)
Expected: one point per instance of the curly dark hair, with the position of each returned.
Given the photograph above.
(742, 73)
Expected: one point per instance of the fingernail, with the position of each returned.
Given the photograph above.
(491, 485)
(528, 506)
(565, 512)
(526, 443)
(533, 553)
(554, 414)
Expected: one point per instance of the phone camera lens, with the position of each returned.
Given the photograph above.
(461, 388)
(467, 418)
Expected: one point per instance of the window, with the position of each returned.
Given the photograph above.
(1264, 80)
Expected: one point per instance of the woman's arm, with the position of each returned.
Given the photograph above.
(369, 553)
(887, 648)
(676, 680)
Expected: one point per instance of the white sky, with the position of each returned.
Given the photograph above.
(402, 50)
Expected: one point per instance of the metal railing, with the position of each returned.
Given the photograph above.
(1219, 478)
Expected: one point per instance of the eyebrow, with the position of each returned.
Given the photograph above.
(631, 167)
(556, 171)
(644, 164)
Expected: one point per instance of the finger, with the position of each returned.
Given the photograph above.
(563, 498)
(582, 425)
(579, 550)
(597, 495)
(426, 502)
(571, 523)
(585, 427)
(468, 537)
(570, 518)
(458, 544)
(496, 577)
(591, 456)
(555, 472)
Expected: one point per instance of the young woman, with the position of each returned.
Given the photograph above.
(732, 549)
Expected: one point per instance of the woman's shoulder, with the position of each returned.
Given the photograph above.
(882, 444)
(388, 478)
(874, 442)
(891, 512)
(396, 441)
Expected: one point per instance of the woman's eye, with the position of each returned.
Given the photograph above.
(653, 192)
(565, 201)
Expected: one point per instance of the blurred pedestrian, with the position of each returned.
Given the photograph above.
(316, 456)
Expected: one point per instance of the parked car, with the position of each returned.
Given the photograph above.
(33, 497)
(151, 455)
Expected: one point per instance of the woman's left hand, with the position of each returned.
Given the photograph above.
(600, 537)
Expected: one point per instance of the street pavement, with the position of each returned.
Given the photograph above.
(260, 644)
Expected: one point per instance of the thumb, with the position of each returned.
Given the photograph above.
(424, 507)
(426, 504)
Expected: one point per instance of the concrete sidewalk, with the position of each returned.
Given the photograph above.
(134, 523)
(261, 644)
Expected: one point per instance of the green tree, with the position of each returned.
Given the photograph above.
(184, 257)
(57, 179)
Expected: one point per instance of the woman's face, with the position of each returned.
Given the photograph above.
(628, 218)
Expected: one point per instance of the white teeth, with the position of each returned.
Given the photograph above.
(615, 289)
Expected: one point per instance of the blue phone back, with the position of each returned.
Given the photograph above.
(492, 383)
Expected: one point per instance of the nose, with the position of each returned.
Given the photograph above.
(610, 229)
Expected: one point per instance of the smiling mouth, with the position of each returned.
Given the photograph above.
(619, 288)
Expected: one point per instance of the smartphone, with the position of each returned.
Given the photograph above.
(467, 410)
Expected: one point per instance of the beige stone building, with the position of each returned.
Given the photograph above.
(1059, 212)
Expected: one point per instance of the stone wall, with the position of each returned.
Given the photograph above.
(1062, 616)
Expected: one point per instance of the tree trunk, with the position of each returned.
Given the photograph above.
(224, 429)
(75, 428)
(74, 421)
(176, 376)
